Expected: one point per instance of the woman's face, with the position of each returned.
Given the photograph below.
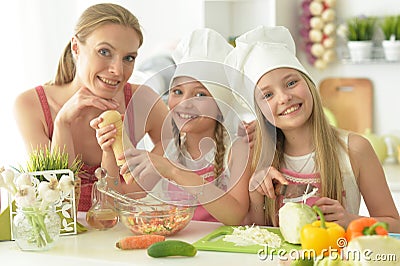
(284, 98)
(105, 62)
(193, 107)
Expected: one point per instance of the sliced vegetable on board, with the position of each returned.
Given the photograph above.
(138, 241)
(169, 248)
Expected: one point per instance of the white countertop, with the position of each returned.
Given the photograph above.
(98, 248)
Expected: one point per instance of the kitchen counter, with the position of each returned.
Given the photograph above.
(97, 248)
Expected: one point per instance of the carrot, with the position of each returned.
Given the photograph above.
(138, 241)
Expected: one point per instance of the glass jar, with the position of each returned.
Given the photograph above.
(102, 215)
(36, 228)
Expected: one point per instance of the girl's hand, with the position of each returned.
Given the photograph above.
(334, 211)
(247, 131)
(105, 136)
(142, 163)
(82, 99)
(265, 181)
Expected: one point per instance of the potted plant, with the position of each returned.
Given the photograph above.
(390, 27)
(43, 160)
(360, 32)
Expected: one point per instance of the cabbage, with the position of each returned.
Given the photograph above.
(292, 217)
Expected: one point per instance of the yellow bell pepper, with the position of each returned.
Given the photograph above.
(321, 236)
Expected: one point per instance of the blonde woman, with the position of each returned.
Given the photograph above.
(303, 150)
(92, 77)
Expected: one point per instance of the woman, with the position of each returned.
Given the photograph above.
(92, 77)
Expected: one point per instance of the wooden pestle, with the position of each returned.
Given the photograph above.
(114, 117)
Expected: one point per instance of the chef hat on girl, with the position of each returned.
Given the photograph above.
(200, 56)
(257, 52)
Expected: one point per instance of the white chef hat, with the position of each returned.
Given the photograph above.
(257, 52)
(200, 55)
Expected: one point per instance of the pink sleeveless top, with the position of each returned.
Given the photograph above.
(200, 214)
(87, 175)
(300, 183)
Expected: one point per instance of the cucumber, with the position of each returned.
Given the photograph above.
(169, 248)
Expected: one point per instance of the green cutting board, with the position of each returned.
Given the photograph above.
(214, 242)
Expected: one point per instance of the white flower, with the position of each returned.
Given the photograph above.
(66, 184)
(7, 180)
(25, 196)
(23, 179)
(49, 191)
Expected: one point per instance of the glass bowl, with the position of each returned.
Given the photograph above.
(161, 213)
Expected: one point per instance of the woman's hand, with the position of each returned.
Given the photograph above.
(105, 136)
(334, 211)
(82, 99)
(265, 181)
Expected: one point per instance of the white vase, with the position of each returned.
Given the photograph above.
(391, 50)
(360, 50)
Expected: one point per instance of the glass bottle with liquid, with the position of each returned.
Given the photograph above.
(102, 215)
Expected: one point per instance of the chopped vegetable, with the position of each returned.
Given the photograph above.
(253, 235)
(165, 223)
(171, 248)
(139, 241)
(320, 235)
(292, 217)
(365, 226)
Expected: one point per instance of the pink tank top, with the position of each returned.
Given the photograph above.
(299, 184)
(200, 214)
(87, 175)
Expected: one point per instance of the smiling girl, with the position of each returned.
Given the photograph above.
(303, 149)
(198, 152)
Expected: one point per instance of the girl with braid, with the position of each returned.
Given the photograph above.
(200, 151)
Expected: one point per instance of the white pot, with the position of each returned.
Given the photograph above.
(360, 50)
(391, 50)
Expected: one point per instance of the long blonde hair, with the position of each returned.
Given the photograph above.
(326, 139)
(92, 18)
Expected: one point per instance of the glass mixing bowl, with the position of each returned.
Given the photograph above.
(161, 213)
